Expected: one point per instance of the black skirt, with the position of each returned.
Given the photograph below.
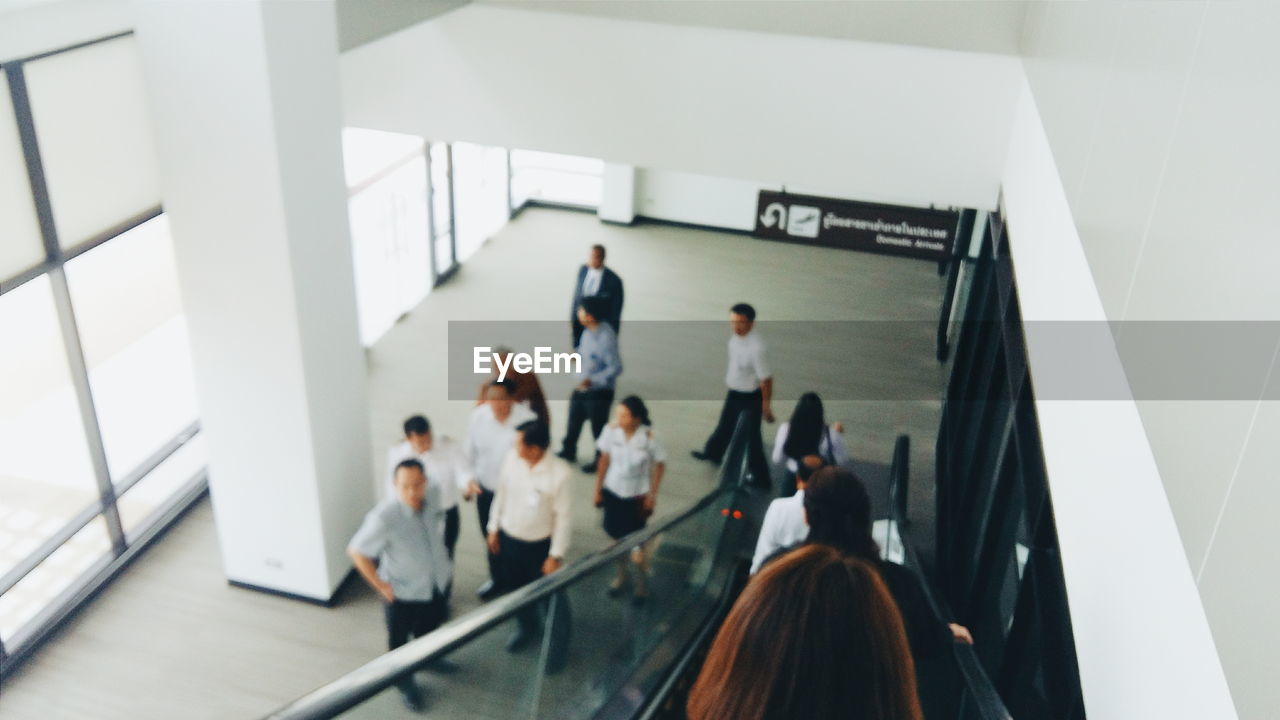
(622, 516)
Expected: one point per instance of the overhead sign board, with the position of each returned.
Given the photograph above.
(869, 227)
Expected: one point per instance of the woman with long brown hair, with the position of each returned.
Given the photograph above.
(815, 635)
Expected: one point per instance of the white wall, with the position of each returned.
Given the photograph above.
(1142, 640)
(617, 193)
(847, 119)
(1162, 118)
(697, 199)
(360, 21)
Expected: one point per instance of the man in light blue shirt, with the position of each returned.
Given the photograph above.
(601, 365)
(399, 550)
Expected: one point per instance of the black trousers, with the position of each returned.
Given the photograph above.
(409, 619)
(586, 405)
(735, 403)
(452, 524)
(521, 564)
(483, 502)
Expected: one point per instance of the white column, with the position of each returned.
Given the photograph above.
(245, 105)
(618, 194)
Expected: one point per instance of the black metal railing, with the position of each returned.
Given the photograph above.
(976, 697)
(997, 562)
(958, 269)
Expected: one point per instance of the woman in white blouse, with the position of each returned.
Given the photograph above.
(627, 478)
(807, 433)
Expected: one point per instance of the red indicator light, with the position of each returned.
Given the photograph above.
(724, 511)
(737, 514)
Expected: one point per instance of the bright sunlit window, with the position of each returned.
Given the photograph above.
(390, 237)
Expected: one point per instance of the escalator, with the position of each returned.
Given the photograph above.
(608, 658)
(598, 657)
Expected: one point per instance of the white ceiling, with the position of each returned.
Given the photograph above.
(971, 25)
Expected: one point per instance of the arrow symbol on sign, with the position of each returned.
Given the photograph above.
(774, 213)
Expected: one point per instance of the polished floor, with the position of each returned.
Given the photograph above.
(169, 638)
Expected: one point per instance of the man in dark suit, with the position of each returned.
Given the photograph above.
(596, 280)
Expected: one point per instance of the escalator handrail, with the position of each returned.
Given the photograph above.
(986, 700)
(959, 257)
(654, 705)
(379, 673)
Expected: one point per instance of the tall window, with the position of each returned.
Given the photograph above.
(480, 195)
(99, 443)
(387, 182)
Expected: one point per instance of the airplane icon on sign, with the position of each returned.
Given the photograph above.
(798, 220)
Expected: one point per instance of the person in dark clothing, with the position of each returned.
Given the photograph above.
(596, 280)
(807, 433)
(838, 511)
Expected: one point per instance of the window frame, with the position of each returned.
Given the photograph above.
(122, 551)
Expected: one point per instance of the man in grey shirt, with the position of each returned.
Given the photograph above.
(601, 365)
(399, 550)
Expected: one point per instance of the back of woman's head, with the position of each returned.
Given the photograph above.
(838, 509)
(805, 428)
(815, 635)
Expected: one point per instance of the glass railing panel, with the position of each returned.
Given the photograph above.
(613, 631)
(485, 681)
(588, 645)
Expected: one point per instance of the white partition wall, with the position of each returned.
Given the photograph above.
(1141, 637)
(244, 102)
(618, 193)
(1162, 120)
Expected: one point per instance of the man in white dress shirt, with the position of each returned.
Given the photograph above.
(446, 467)
(784, 522)
(491, 433)
(530, 525)
(750, 383)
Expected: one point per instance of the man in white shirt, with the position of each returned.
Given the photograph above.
(530, 525)
(446, 467)
(596, 280)
(491, 433)
(750, 383)
(784, 522)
